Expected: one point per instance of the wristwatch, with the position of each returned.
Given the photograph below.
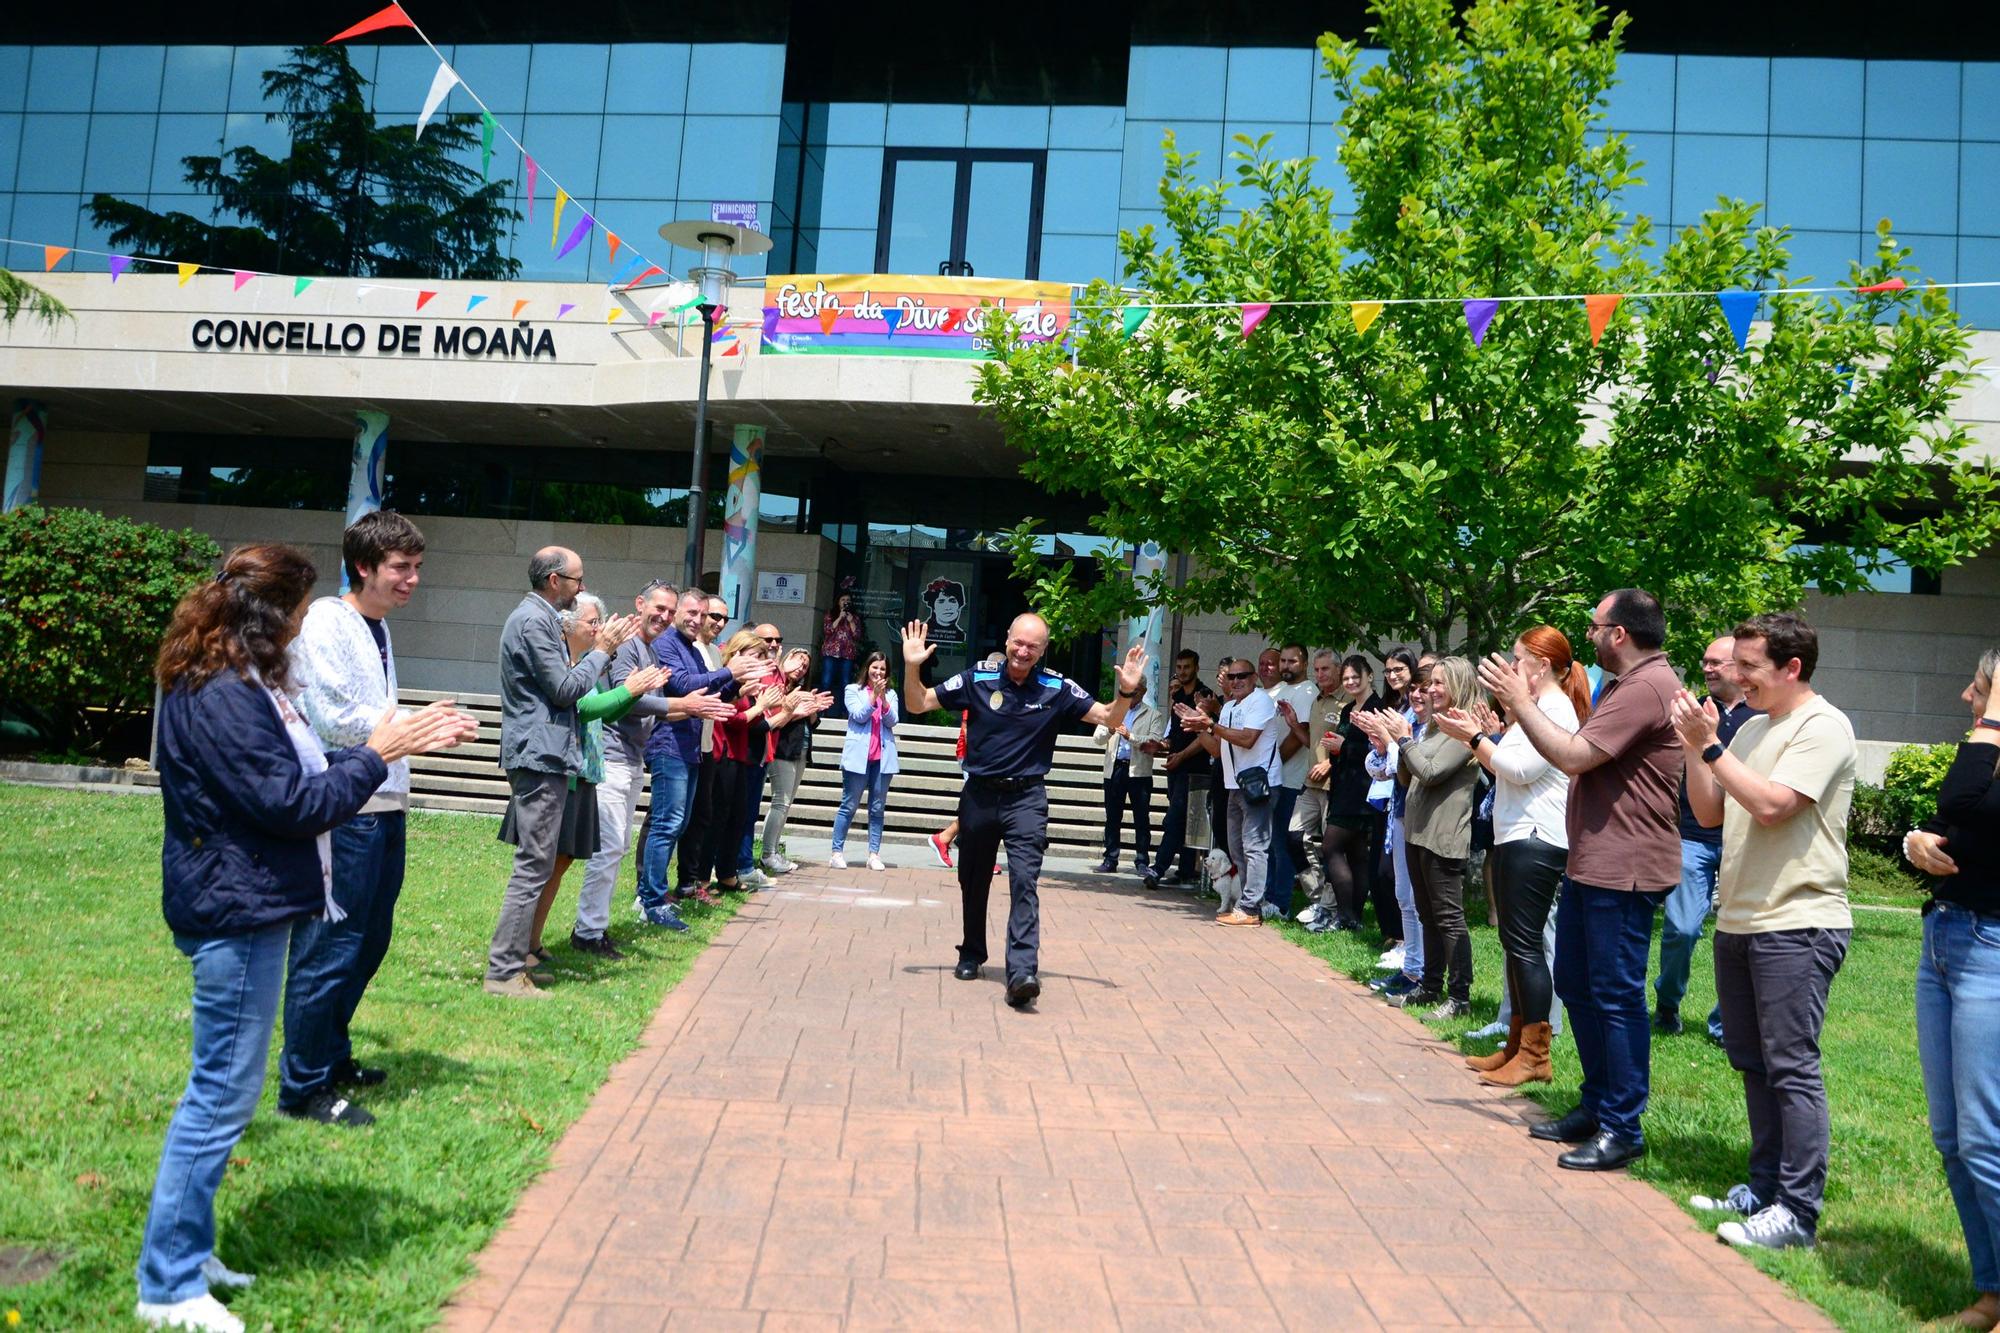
(1135, 694)
(1713, 753)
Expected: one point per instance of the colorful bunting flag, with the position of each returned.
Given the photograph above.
(1891, 285)
(827, 315)
(242, 276)
(519, 306)
(533, 170)
(486, 128)
(734, 349)
(187, 271)
(119, 263)
(423, 299)
(611, 238)
(1253, 315)
(1738, 308)
(52, 255)
(655, 318)
(299, 286)
(1365, 313)
(441, 86)
(392, 17)
(577, 233)
(616, 311)
(953, 317)
(890, 319)
(1599, 309)
(1134, 316)
(564, 309)
(1478, 314)
(651, 269)
(721, 334)
(472, 303)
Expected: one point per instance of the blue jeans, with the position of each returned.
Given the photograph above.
(834, 675)
(876, 783)
(673, 779)
(1958, 1011)
(753, 800)
(1406, 900)
(1602, 938)
(332, 962)
(1278, 891)
(237, 980)
(1681, 926)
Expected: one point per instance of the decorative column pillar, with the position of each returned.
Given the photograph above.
(1148, 561)
(30, 426)
(739, 522)
(366, 469)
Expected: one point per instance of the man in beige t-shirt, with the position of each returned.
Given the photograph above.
(1781, 791)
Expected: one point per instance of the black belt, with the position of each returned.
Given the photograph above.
(1005, 784)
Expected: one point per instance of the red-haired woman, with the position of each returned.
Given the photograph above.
(249, 799)
(1530, 844)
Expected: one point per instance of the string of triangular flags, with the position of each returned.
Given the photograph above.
(1739, 307)
(673, 298)
(636, 269)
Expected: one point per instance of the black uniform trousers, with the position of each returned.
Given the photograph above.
(988, 815)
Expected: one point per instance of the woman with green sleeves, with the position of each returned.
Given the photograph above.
(577, 840)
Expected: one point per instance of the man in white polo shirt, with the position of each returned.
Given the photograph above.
(1248, 729)
(1781, 791)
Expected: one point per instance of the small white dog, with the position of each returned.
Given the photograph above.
(1222, 877)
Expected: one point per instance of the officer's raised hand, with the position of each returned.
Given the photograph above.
(917, 647)
(1131, 672)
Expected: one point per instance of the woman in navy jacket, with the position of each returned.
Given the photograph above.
(249, 801)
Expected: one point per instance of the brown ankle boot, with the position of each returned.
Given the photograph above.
(1500, 1057)
(1531, 1065)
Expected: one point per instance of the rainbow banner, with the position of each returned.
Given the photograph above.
(904, 315)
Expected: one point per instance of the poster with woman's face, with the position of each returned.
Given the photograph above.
(945, 611)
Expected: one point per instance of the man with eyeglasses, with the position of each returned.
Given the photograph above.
(1701, 856)
(748, 873)
(675, 749)
(1624, 857)
(1248, 730)
(541, 746)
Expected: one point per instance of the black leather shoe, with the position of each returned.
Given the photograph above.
(1105, 868)
(966, 971)
(353, 1074)
(1578, 1125)
(1667, 1022)
(1605, 1152)
(1021, 991)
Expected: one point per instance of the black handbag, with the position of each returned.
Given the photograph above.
(1254, 783)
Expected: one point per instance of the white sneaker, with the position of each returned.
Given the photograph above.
(203, 1313)
(1392, 959)
(220, 1274)
(1309, 915)
(778, 865)
(1271, 912)
(875, 862)
(838, 861)
(754, 879)
(1738, 1200)
(1487, 1033)
(1773, 1228)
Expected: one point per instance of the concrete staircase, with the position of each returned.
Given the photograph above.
(922, 797)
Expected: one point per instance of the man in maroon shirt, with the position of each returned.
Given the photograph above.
(1624, 857)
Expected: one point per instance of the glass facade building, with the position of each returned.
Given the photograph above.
(648, 132)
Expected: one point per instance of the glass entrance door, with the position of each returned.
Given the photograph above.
(964, 212)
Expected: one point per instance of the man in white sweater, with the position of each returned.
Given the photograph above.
(346, 673)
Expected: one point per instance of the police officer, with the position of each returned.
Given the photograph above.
(1015, 712)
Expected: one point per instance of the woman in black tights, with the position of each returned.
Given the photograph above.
(1344, 843)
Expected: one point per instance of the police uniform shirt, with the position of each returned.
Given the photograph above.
(1013, 728)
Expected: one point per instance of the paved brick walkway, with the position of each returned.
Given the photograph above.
(1196, 1128)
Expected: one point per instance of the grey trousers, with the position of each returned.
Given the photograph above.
(538, 809)
(1250, 847)
(785, 775)
(1772, 988)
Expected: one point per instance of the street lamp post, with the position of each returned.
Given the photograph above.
(716, 242)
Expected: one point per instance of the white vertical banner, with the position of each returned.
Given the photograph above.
(1148, 561)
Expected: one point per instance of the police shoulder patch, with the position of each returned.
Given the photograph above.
(956, 682)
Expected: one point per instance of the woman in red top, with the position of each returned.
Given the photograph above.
(839, 645)
(731, 757)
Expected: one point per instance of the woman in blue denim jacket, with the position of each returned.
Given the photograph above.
(1958, 986)
(249, 799)
(867, 757)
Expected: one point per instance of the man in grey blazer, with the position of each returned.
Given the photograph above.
(540, 746)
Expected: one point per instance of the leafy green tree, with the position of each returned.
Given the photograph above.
(84, 601)
(1350, 487)
(353, 198)
(19, 296)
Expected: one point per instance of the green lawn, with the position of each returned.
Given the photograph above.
(1890, 1253)
(346, 1229)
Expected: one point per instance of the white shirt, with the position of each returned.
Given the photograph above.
(343, 689)
(1530, 794)
(1300, 695)
(1253, 712)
